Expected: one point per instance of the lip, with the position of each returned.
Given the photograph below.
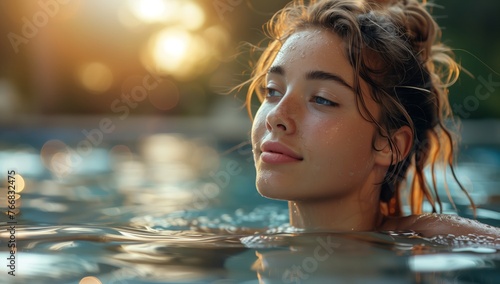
(278, 153)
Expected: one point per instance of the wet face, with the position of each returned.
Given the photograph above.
(310, 140)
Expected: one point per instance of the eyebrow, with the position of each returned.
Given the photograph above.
(313, 75)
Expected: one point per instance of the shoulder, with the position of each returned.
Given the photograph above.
(433, 224)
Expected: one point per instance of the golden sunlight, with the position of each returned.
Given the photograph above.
(171, 48)
(150, 11)
(185, 13)
(177, 52)
(191, 16)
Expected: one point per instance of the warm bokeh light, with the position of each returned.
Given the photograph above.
(61, 164)
(184, 13)
(191, 16)
(90, 280)
(50, 149)
(20, 184)
(176, 52)
(171, 47)
(58, 158)
(96, 77)
(168, 157)
(178, 49)
(170, 148)
(150, 11)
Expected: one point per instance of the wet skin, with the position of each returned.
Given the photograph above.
(313, 147)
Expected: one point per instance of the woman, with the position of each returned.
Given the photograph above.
(354, 104)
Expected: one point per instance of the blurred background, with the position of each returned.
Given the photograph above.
(86, 57)
(77, 57)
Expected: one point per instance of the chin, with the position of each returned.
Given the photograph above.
(269, 193)
(272, 192)
(281, 192)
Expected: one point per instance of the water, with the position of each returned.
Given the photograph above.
(173, 210)
(66, 254)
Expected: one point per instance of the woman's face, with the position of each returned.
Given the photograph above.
(310, 140)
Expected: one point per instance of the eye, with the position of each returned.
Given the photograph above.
(323, 101)
(272, 93)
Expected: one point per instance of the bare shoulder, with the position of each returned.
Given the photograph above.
(433, 224)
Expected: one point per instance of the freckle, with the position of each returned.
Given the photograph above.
(351, 173)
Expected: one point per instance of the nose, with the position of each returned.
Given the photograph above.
(282, 117)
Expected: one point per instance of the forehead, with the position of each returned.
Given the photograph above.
(314, 49)
(320, 50)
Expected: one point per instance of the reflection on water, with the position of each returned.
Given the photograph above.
(173, 210)
(66, 254)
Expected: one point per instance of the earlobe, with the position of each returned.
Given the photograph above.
(401, 139)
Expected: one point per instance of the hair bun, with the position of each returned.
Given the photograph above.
(420, 29)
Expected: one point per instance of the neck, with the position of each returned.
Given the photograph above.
(355, 212)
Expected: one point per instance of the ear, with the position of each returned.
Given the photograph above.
(402, 139)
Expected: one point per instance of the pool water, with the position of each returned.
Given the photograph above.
(171, 209)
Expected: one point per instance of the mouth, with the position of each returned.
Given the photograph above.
(278, 153)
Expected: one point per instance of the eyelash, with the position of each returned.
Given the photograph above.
(328, 102)
(315, 99)
(269, 91)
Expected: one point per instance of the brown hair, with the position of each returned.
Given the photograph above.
(394, 47)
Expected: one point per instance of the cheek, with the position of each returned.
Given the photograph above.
(259, 125)
(348, 143)
(359, 148)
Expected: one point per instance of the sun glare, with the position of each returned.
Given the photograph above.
(185, 13)
(177, 47)
(150, 10)
(176, 51)
(172, 46)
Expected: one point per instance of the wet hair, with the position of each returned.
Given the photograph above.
(394, 46)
